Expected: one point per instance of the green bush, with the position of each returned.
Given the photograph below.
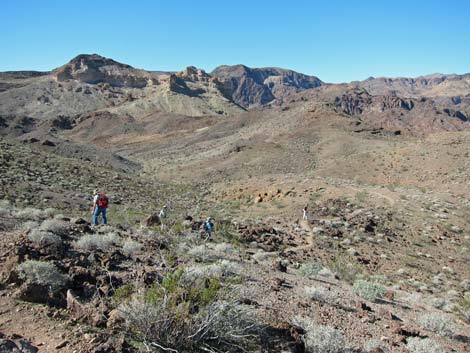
(368, 290)
(43, 273)
(310, 269)
(463, 308)
(189, 317)
(123, 293)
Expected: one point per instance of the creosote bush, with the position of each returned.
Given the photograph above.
(43, 273)
(368, 290)
(189, 317)
(426, 345)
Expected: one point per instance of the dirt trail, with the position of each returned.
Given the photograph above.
(31, 322)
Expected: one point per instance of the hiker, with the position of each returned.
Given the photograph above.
(208, 227)
(100, 204)
(304, 210)
(163, 214)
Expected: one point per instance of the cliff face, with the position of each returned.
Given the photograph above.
(97, 69)
(259, 86)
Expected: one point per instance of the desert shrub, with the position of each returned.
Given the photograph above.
(368, 290)
(44, 273)
(375, 345)
(310, 269)
(426, 345)
(55, 226)
(5, 208)
(224, 248)
(123, 294)
(217, 327)
(219, 269)
(463, 308)
(321, 294)
(262, 255)
(97, 242)
(345, 270)
(188, 317)
(320, 338)
(200, 252)
(43, 238)
(438, 323)
(224, 268)
(130, 247)
(29, 225)
(30, 213)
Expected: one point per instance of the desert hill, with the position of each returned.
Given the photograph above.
(433, 85)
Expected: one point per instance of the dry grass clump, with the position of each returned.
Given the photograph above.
(43, 273)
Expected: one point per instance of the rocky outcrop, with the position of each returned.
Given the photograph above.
(353, 102)
(259, 86)
(96, 69)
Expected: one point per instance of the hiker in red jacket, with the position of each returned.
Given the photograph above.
(100, 204)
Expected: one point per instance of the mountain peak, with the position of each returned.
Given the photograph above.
(94, 68)
(95, 60)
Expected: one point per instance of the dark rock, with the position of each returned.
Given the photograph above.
(33, 293)
(48, 143)
(365, 307)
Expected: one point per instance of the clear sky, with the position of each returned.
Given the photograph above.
(336, 40)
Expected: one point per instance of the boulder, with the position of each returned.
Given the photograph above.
(33, 293)
(152, 220)
(48, 143)
(16, 346)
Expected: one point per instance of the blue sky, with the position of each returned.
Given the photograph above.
(337, 41)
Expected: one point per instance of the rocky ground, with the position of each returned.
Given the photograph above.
(379, 265)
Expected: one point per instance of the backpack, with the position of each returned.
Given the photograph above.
(208, 227)
(103, 201)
